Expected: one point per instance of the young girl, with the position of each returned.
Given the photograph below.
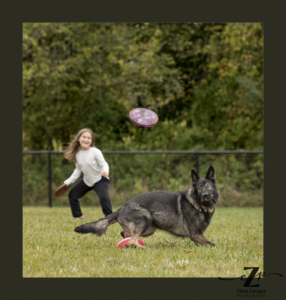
(89, 161)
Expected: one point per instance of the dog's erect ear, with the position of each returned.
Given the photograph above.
(211, 174)
(194, 176)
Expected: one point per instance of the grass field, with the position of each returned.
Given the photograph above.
(52, 249)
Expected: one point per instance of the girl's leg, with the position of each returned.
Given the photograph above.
(101, 188)
(78, 191)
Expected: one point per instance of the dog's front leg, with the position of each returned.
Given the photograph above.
(199, 239)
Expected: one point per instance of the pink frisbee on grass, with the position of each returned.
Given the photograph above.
(123, 243)
(143, 117)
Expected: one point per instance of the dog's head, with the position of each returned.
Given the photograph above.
(204, 189)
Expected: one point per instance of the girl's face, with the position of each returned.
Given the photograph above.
(85, 141)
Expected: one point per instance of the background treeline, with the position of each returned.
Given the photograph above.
(204, 80)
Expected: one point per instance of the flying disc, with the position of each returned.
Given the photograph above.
(143, 117)
(61, 190)
(123, 243)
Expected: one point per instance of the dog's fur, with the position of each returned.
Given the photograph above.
(184, 213)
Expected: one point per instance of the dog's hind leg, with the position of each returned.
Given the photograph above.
(137, 229)
(124, 234)
(135, 224)
(134, 236)
(134, 241)
(149, 231)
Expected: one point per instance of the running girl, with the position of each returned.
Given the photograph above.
(89, 161)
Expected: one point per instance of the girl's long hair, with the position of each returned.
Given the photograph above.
(71, 150)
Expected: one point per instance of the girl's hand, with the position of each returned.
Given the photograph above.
(104, 173)
(65, 184)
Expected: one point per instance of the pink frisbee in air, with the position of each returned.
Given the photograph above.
(143, 117)
(123, 243)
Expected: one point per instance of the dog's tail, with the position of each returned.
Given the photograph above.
(98, 227)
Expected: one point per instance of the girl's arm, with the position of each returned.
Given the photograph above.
(102, 163)
(74, 176)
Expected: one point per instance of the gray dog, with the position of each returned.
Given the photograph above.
(184, 213)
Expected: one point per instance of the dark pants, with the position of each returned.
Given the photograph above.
(80, 189)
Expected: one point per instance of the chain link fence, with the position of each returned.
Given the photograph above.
(174, 165)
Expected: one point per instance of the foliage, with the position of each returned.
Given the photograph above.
(131, 175)
(204, 80)
(80, 75)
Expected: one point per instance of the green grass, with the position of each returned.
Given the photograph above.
(52, 249)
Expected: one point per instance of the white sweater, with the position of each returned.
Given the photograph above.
(91, 163)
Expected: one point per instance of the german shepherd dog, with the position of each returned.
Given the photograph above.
(184, 213)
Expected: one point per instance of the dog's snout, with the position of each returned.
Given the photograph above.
(205, 194)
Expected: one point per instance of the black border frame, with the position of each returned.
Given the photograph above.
(272, 15)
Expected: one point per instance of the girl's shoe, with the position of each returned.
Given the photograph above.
(79, 218)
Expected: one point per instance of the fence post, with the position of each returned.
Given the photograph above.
(197, 161)
(50, 178)
(112, 172)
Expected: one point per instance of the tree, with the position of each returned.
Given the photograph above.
(79, 75)
(204, 80)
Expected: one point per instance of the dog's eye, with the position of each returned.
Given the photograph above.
(199, 188)
(208, 185)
